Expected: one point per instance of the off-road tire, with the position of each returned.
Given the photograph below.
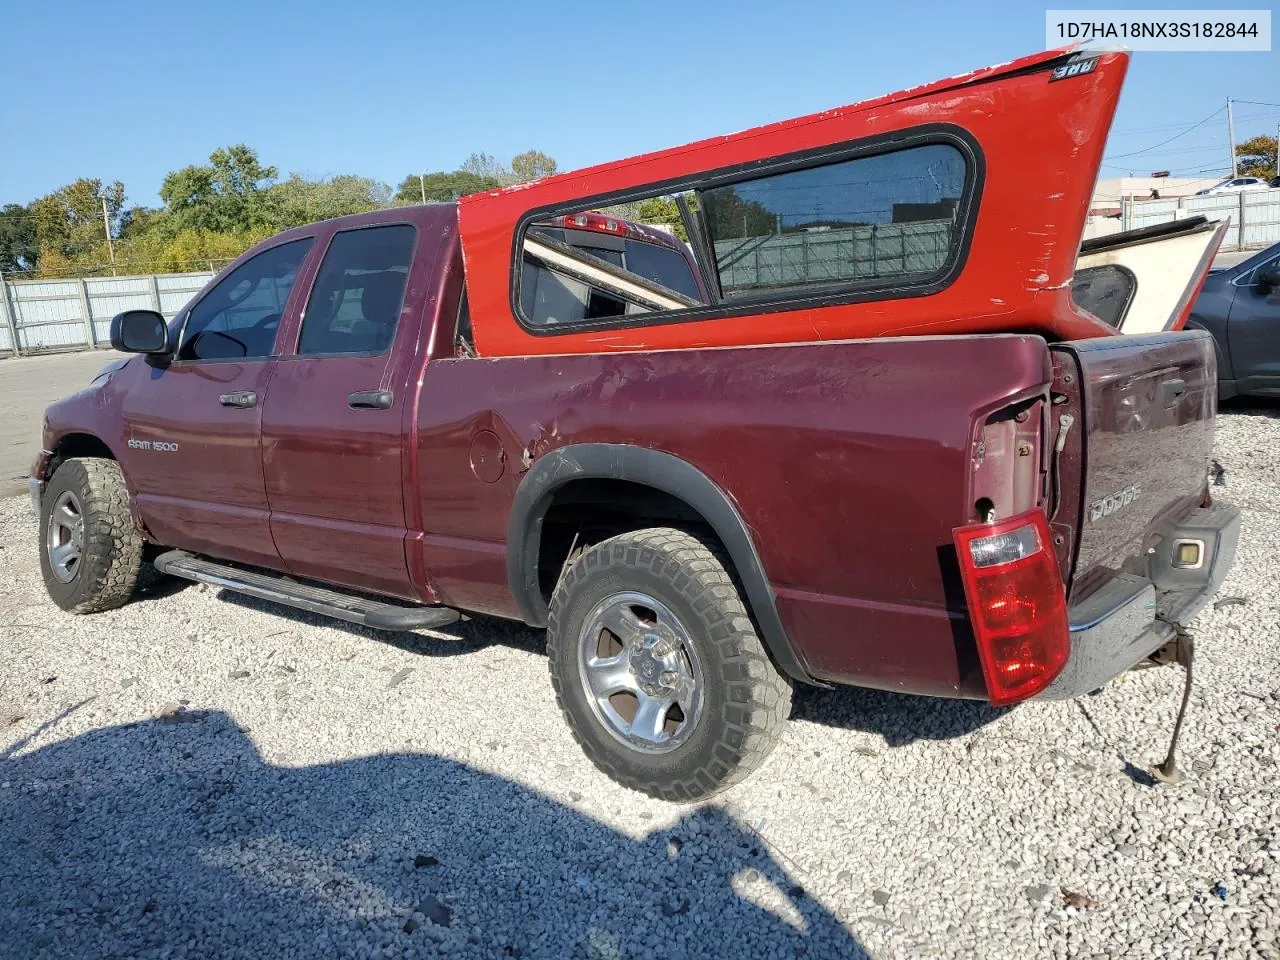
(746, 700)
(111, 555)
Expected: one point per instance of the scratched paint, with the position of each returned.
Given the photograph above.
(1023, 239)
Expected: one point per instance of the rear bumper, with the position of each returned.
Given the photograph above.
(1130, 617)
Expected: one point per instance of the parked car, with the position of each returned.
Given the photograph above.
(1240, 306)
(706, 492)
(1234, 185)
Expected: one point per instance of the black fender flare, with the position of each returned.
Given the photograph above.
(658, 470)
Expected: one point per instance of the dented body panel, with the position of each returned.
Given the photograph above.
(849, 463)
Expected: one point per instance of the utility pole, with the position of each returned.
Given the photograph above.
(422, 182)
(1231, 138)
(106, 228)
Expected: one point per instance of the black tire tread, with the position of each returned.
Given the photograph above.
(759, 696)
(112, 555)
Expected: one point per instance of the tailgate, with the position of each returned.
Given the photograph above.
(1148, 407)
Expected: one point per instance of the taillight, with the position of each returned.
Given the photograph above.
(1017, 605)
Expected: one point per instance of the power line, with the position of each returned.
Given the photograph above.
(1256, 116)
(1132, 130)
(1201, 123)
(1189, 150)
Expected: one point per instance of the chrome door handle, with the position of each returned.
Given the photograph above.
(241, 398)
(371, 400)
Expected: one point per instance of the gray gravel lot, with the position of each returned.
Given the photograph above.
(27, 386)
(200, 775)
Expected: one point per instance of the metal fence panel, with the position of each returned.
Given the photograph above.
(109, 295)
(846, 253)
(1261, 219)
(56, 314)
(55, 336)
(48, 314)
(1254, 215)
(176, 290)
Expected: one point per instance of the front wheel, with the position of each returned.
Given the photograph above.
(90, 553)
(658, 669)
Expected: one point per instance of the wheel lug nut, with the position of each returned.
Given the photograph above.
(669, 678)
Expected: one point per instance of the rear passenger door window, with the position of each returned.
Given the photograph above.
(359, 291)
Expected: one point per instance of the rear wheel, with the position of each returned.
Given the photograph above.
(90, 553)
(658, 668)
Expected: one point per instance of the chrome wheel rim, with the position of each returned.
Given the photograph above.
(64, 539)
(640, 673)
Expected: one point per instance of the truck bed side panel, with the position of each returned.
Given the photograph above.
(849, 462)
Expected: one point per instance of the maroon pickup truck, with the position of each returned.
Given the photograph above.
(994, 516)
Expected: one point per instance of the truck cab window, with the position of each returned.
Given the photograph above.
(238, 318)
(356, 301)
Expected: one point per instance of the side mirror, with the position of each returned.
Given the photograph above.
(140, 331)
(1269, 280)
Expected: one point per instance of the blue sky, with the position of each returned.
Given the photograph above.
(131, 89)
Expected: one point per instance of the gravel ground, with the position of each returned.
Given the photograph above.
(199, 775)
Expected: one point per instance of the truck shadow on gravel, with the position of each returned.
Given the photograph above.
(175, 838)
(898, 718)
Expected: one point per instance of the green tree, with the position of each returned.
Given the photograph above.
(227, 195)
(484, 165)
(531, 165)
(661, 210)
(139, 220)
(299, 200)
(728, 215)
(19, 249)
(1256, 157)
(655, 211)
(69, 223)
(442, 187)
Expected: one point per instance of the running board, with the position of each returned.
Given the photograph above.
(276, 588)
